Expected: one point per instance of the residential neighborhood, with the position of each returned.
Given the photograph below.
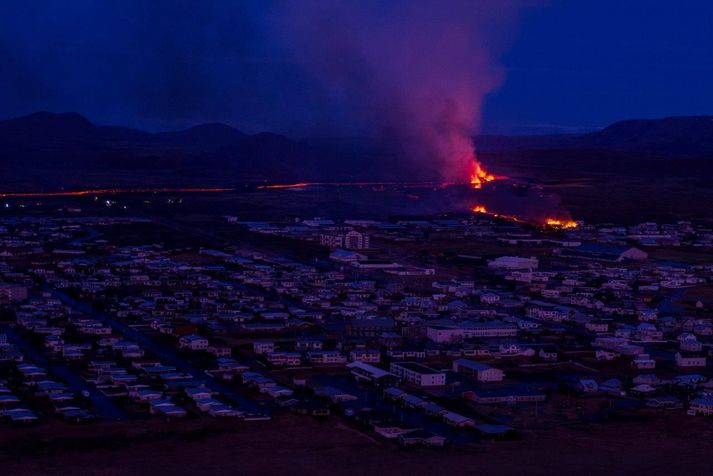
(524, 327)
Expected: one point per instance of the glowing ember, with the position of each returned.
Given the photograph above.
(557, 223)
(480, 209)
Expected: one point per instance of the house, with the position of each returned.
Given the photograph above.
(421, 438)
(548, 354)
(326, 357)
(263, 347)
(220, 350)
(587, 385)
(701, 406)
(509, 395)
(690, 359)
(336, 395)
(457, 420)
(279, 391)
(418, 374)
(284, 358)
(481, 372)
(643, 362)
(371, 356)
(193, 342)
(368, 373)
(309, 344)
(346, 256)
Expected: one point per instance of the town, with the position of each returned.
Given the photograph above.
(424, 331)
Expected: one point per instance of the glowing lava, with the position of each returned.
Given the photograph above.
(482, 210)
(557, 223)
(549, 222)
(478, 175)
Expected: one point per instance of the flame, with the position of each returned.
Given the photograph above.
(558, 223)
(551, 222)
(478, 175)
(483, 210)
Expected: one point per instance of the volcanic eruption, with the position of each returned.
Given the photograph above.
(414, 73)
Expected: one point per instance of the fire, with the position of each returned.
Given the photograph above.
(557, 223)
(551, 222)
(483, 210)
(478, 175)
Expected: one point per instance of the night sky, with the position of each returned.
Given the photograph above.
(171, 63)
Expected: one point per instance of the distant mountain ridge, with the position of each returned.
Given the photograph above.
(49, 150)
(682, 135)
(677, 136)
(66, 149)
(46, 127)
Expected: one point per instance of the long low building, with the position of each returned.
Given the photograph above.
(418, 374)
(369, 373)
(482, 372)
(468, 330)
(505, 395)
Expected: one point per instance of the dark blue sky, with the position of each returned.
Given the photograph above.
(591, 62)
(170, 63)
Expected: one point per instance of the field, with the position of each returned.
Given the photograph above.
(294, 446)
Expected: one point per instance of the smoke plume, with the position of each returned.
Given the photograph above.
(417, 70)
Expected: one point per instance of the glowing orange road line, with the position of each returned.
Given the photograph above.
(359, 184)
(104, 191)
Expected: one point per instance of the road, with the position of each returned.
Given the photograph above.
(167, 354)
(105, 407)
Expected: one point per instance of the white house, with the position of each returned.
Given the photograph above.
(418, 374)
(193, 342)
(690, 359)
(482, 372)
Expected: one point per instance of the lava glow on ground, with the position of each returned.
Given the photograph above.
(548, 222)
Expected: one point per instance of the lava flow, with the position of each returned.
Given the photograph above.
(549, 222)
(558, 223)
(483, 210)
(479, 176)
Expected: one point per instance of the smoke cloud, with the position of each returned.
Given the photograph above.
(416, 70)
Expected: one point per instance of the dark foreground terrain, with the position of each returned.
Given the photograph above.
(298, 446)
